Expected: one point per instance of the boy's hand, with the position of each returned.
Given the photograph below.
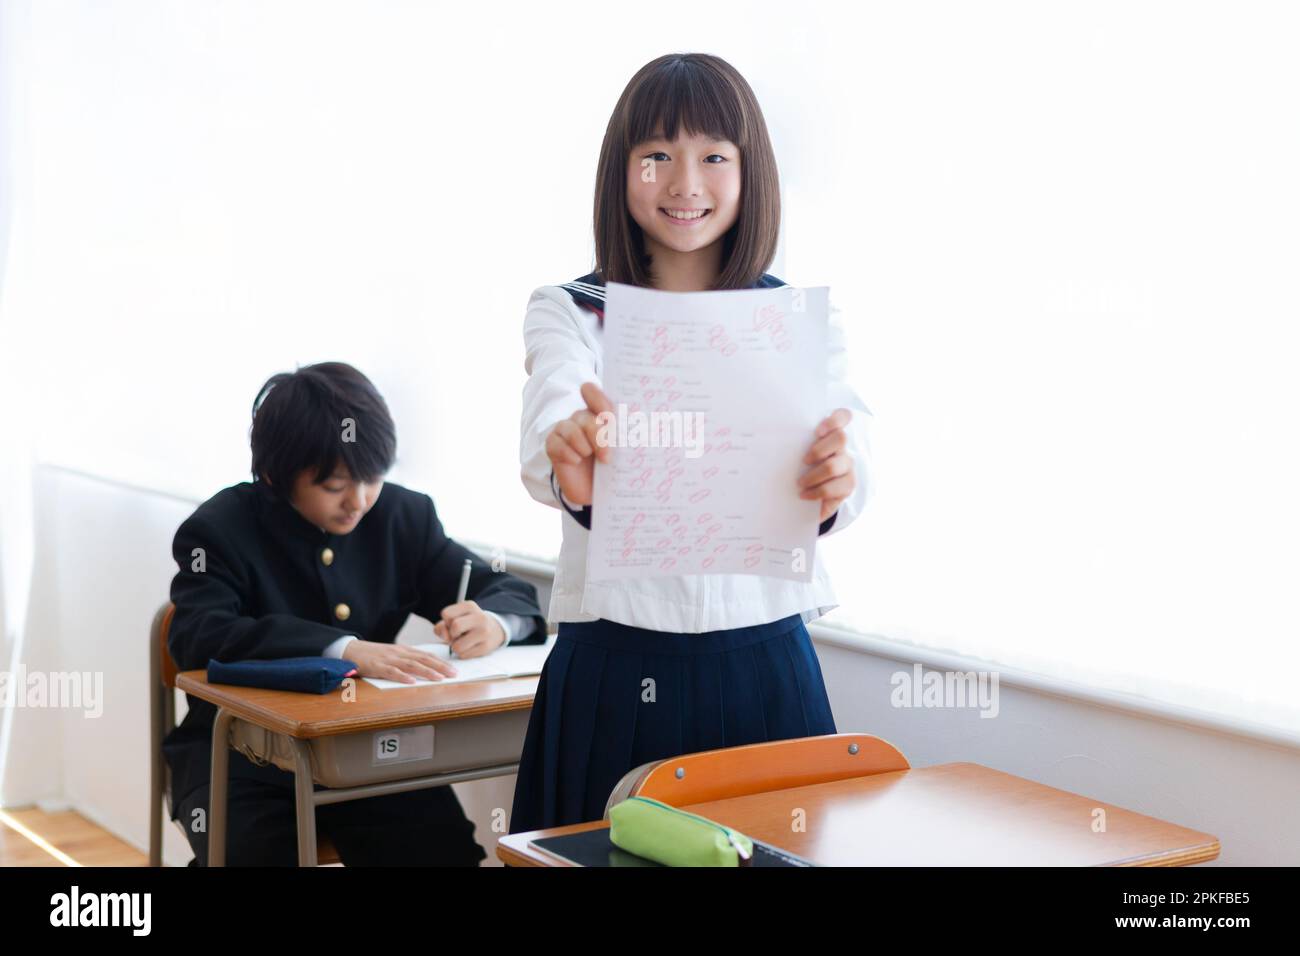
(469, 630)
(831, 477)
(396, 662)
(573, 449)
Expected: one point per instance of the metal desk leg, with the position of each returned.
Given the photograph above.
(218, 789)
(305, 798)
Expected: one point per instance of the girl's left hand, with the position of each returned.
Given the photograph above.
(831, 477)
(470, 631)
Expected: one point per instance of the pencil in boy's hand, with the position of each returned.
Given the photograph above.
(461, 592)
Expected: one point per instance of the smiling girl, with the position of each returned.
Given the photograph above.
(687, 199)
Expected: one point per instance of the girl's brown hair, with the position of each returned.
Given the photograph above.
(706, 95)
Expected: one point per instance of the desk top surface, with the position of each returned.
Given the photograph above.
(323, 715)
(953, 814)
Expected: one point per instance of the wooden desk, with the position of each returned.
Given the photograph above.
(953, 814)
(478, 727)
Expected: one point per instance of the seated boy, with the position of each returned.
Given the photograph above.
(318, 557)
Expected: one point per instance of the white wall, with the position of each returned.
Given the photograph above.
(104, 566)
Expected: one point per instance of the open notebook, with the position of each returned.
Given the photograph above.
(515, 660)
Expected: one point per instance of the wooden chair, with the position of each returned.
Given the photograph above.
(758, 768)
(162, 713)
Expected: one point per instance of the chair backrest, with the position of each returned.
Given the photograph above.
(162, 622)
(758, 768)
(162, 718)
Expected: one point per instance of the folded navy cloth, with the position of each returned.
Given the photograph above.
(308, 675)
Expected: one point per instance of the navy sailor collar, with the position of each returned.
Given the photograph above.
(589, 290)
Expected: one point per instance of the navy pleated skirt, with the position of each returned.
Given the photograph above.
(612, 697)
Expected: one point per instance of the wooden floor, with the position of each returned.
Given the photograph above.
(71, 839)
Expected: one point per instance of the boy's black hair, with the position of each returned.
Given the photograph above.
(301, 420)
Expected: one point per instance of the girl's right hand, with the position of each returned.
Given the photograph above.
(573, 449)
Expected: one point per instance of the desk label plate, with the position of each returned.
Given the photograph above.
(402, 745)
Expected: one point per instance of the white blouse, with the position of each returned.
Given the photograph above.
(562, 343)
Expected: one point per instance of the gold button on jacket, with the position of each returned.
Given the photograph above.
(342, 612)
(327, 557)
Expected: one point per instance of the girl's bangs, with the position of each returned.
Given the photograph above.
(684, 96)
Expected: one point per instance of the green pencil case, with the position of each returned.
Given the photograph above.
(673, 837)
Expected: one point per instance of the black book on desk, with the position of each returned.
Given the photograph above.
(595, 848)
